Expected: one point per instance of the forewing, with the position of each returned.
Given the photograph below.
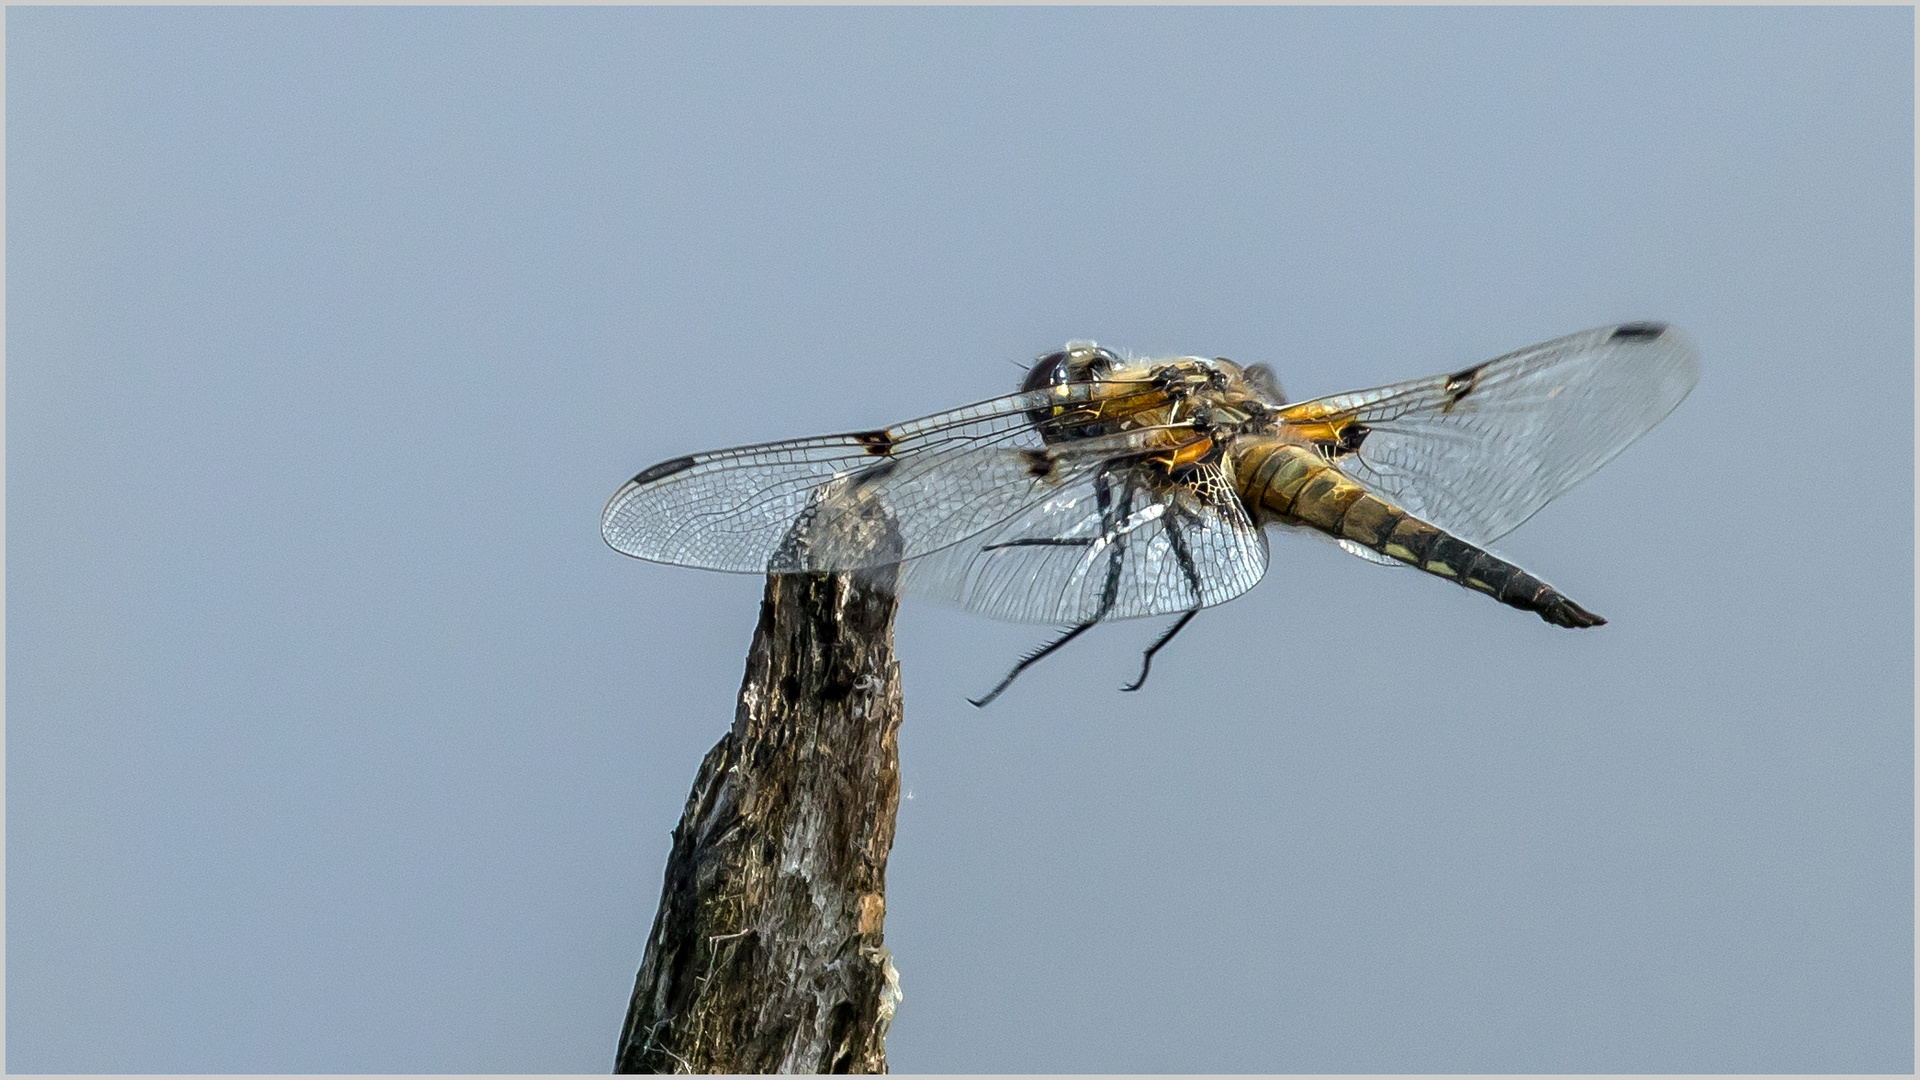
(1480, 451)
(1149, 546)
(941, 479)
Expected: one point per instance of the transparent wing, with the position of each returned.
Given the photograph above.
(1480, 451)
(941, 479)
(1121, 541)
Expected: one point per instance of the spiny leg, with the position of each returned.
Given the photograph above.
(1184, 556)
(1109, 592)
(1028, 661)
(1082, 541)
(1146, 662)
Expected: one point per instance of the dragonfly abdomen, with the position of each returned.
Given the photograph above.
(1288, 484)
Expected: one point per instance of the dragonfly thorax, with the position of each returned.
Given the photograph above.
(1206, 397)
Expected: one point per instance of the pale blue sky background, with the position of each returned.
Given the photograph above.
(336, 739)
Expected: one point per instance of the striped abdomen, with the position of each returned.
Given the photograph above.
(1294, 485)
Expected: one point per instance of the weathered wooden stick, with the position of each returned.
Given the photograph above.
(766, 955)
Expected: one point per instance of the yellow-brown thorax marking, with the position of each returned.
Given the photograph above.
(1314, 422)
(1324, 431)
(1157, 413)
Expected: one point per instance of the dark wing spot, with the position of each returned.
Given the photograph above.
(878, 472)
(665, 468)
(1039, 462)
(1646, 331)
(1460, 383)
(878, 443)
(1345, 441)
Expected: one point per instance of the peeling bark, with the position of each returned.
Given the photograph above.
(766, 955)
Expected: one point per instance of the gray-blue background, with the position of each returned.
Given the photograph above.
(337, 740)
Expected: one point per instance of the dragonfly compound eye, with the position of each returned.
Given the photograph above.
(1077, 363)
(1049, 370)
(1080, 363)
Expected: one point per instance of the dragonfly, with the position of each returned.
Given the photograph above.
(1113, 488)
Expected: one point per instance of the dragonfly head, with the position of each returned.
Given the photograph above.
(1081, 363)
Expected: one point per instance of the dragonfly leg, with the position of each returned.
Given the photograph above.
(1028, 661)
(1146, 662)
(1184, 556)
(1109, 592)
(1082, 541)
